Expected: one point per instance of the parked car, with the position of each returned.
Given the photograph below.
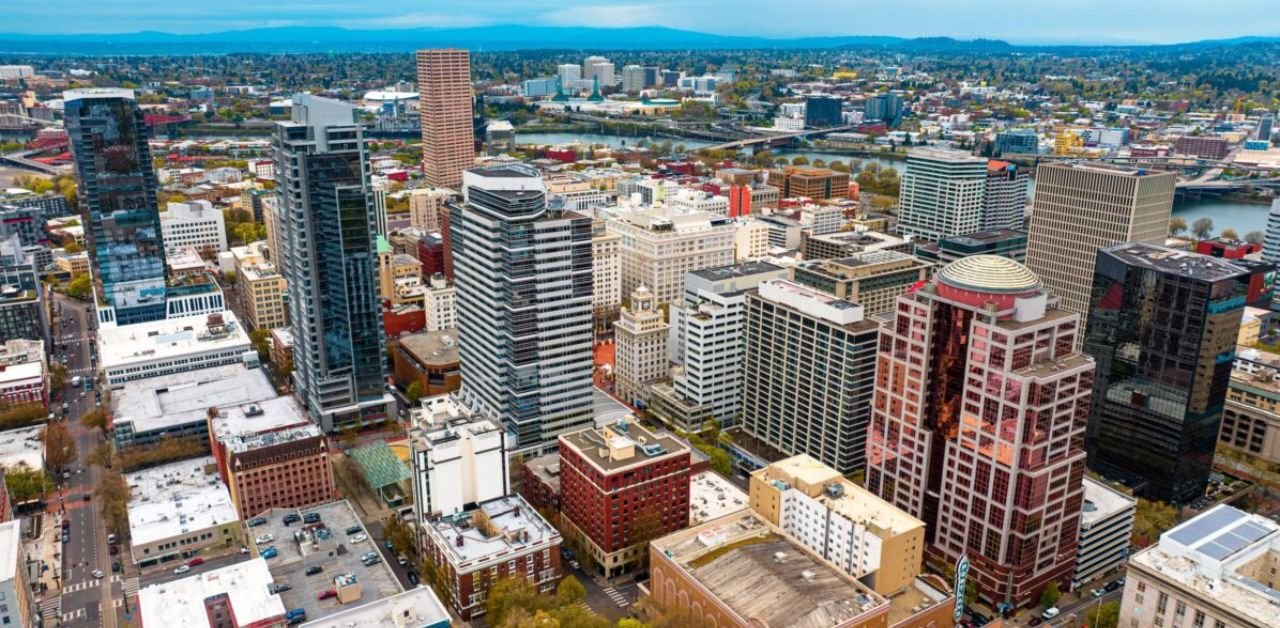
(182, 569)
(314, 569)
(66, 523)
(257, 521)
(354, 530)
(326, 594)
(413, 578)
(311, 517)
(195, 562)
(291, 518)
(296, 616)
(269, 552)
(1035, 621)
(97, 573)
(280, 588)
(111, 538)
(360, 538)
(264, 538)
(574, 564)
(1112, 586)
(1098, 592)
(1050, 613)
(391, 547)
(115, 567)
(369, 558)
(113, 549)
(401, 560)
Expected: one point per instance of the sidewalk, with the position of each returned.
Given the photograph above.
(47, 549)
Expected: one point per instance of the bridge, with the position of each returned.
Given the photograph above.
(776, 139)
(22, 160)
(1225, 185)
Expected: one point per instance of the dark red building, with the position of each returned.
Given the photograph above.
(1227, 249)
(620, 487)
(431, 254)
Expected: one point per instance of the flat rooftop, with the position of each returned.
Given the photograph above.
(415, 608)
(262, 424)
(547, 468)
(945, 154)
(764, 576)
(853, 502)
(325, 544)
(513, 526)
(1102, 501)
(247, 586)
(745, 269)
(432, 347)
(712, 497)
(169, 500)
(22, 446)
(985, 237)
(10, 548)
(159, 403)
(1173, 261)
(1105, 168)
(623, 444)
(869, 240)
(120, 346)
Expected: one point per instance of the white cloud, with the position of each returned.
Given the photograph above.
(610, 16)
(420, 20)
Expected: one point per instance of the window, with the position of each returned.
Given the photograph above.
(1198, 622)
(1162, 602)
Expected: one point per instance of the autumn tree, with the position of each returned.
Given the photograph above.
(1177, 226)
(570, 592)
(95, 419)
(25, 484)
(510, 593)
(1202, 227)
(1230, 234)
(113, 500)
(59, 446)
(1254, 237)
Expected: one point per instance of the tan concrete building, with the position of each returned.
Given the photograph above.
(606, 278)
(751, 240)
(179, 510)
(641, 355)
(1082, 207)
(448, 145)
(658, 249)
(425, 205)
(263, 290)
(873, 280)
(865, 536)
(814, 183)
(1251, 418)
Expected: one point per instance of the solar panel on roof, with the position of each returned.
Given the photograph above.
(1251, 531)
(1206, 525)
(1214, 551)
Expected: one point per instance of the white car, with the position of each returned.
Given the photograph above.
(266, 538)
(359, 538)
(1050, 613)
(181, 570)
(97, 573)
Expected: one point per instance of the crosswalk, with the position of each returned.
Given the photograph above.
(51, 607)
(73, 615)
(80, 586)
(617, 597)
(130, 588)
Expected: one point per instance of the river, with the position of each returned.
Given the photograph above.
(1225, 213)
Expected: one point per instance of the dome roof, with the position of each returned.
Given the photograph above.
(989, 273)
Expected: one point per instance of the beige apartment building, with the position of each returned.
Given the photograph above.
(444, 104)
(641, 355)
(1082, 207)
(873, 280)
(425, 205)
(658, 249)
(606, 278)
(262, 287)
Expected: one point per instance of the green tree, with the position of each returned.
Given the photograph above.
(59, 446)
(260, 337)
(570, 592)
(1177, 226)
(414, 392)
(1151, 520)
(800, 160)
(79, 286)
(72, 247)
(25, 483)
(1050, 596)
(511, 593)
(57, 376)
(1104, 615)
(576, 617)
(246, 232)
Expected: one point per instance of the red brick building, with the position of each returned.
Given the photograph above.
(620, 487)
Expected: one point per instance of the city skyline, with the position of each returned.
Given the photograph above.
(1159, 22)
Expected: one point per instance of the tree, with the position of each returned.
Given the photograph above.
(22, 414)
(101, 455)
(510, 593)
(1202, 227)
(400, 535)
(59, 446)
(1151, 520)
(645, 526)
(1105, 615)
(413, 393)
(570, 592)
(25, 483)
(800, 160)
(1177, 226)
(95, 419)
(1050, 596)
(246, 232)
(1254, 237)
(73, 247)
(79, 286)
(574, 617)
(113, 500)
(1230, 234)
(57, 376)
(259, 338)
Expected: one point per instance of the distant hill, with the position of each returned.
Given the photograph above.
(498, 37)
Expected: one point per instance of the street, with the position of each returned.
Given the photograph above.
(82, 597)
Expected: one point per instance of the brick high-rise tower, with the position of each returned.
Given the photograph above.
(448, 144)
(978, 424)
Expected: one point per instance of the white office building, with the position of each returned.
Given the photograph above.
(173, 345)
(458, 458)
(440, 304)
(194, 224)
(658, 248)
(1106, 524)
(942, 194)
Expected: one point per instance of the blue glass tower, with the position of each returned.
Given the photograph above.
(117, 188)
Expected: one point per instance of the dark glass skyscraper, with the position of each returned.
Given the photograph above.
(117, 188)
(1162, 327)
(329, 258)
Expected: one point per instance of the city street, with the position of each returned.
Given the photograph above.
(82, 597)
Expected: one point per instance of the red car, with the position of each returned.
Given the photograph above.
(113, 550)
(195, 561)
(324, 595)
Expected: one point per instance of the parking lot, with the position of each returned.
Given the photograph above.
(323, 544)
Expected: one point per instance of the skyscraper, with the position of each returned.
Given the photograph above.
(1004, 203)
(978, 424)
(523, 275)
(448, 143)
(1271, 240)
(329, 258)
(117, 189)
(886, 108)
(822, 111)
(942, 194)
(1082, 207)
(1162, 326)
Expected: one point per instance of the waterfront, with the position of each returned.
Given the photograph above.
(1225, 213)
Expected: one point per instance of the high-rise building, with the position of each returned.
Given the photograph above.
(874, 280)
(706, 341)
(942, 194)
(569, 74)
(19, 609)
(523, 275)
(1018, 142)
(328, 254)
(622, 486)
(1106, 531)
(27, 222)
(1082, 207)
(459, 458)
(658, 248)
(1271, 239)
(448, 142)
(1162, 325)
(978, 425)
(808, 374)
(606, 279)
(633, 79)
(1265, 128)
(886, 108)
(1005, 243)
(425, 206)
(812, 183)
(23, 311)
(597, 68)
(1004, 203)
(641, 349)
(194, 224)
(116, 182)
(822, 111)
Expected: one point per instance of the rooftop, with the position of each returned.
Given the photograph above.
(121, 346)
(989, 273)
(744, 269)
(415, 608)
(945, 154)
(1173, 261)
(1102, 502)
(848, 500)
(496, 528)
(158, 403)
(815, 303)
(10, 548)
(23, 446)
(173, 499)
(547, 468)
(262, 424)
(867, 240)
(711, 497)
(623, 444)
(182, 602)
(432, 347)
(985, 237)
(764, 577)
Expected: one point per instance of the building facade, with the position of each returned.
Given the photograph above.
(1005, 243)
(523, 275)
(1106, 528)
(606, 279)
(1162, 326)
(194, 224)
(641, 354)
(942, 194)
(808, 182)
(1004, 201)
(872, 280)
(328, 256)
(448, 142)
(978, 425)
(19, 609)
(426, 205)
(656, 250)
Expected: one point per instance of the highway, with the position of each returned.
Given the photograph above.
(82, 597)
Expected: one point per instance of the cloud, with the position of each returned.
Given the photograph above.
(420, 20)
(608, 16)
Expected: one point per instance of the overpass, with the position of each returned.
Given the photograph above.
(22, 160)
(776, 139)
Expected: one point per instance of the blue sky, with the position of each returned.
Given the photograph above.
(1104, 21)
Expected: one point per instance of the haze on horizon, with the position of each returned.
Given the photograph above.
(1029, 21)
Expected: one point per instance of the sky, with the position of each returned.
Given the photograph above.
(1018, 21)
